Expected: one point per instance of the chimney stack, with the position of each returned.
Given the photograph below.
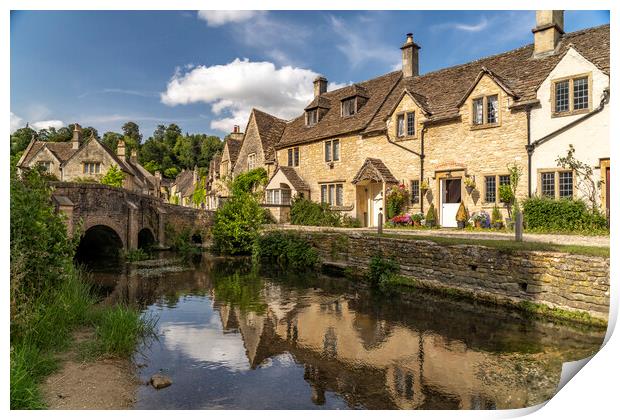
(548, 31)
(77, 136)
(410, 50)
(195, 174)
(320, 86)
(158, 175)
(134, 155)
(236, 133)
(120, 149)
(236, 129)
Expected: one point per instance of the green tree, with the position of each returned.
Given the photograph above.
(200, 193)
(110, 139)
(114, 177)
(236, 224)
(20, 139)
(132, 130)
(209, 146)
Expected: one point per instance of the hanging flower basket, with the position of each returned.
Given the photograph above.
(470, 185)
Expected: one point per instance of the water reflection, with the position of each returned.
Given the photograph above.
(234, 338)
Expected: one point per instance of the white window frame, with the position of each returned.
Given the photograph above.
(251, 161)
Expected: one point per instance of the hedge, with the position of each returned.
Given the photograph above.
(546, 214)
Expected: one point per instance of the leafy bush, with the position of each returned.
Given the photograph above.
(248, 182)
(545, 214)
(236, 224)
(350, 222)
(308, 213)
(380, 270)
(431, 217)
(397, 197)
(114, 177)
(496, 218)
(288, 249)
(401, 220)
(461, 214)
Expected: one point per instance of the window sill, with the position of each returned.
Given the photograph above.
(483, 126)
(569, 113)
(406, 138)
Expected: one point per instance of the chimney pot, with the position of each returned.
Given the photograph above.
(410, 57)
(236, 129)
(320, 86)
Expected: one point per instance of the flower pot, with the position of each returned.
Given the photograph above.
(469, 189)
(498, 225)
(478, 224)
(460, 225)
(417, 223)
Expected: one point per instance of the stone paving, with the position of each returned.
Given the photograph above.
(601, 241)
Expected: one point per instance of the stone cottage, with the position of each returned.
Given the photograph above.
(450, 135)
(88, 160)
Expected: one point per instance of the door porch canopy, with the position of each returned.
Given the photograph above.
(374, 170)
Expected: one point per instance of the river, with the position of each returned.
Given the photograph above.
(233, 337)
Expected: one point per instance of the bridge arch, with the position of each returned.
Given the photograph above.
(99, 241)
(146, 238)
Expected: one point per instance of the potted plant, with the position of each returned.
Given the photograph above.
(461, 216)
(417, 219)
(496, 218)
(430, 216)
(470, 184)
(424, 187)
(481, 219)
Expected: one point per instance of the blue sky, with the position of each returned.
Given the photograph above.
(206, 70)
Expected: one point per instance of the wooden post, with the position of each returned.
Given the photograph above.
(519, 226)
(380, 223)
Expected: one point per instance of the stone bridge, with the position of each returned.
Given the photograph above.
(129, 219)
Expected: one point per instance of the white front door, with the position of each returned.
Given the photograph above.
(377, 203)
(450, 201)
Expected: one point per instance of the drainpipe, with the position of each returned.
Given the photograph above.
(420, 155)
(530, 151)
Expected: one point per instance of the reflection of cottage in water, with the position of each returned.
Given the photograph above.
(373, 362)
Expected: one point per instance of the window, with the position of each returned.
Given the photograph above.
(504, 180)
(45, 164)
(561, 96)
(332, 194)
(92, 167)
(348, 107)
(312, 116)
(580, 93)
(280, 196)
(477, 111)
(293, 156)
(492, 109)
(251, 161)
(400, 125)
(415, 191)
(547, 184)
(571, 95)
(485, 110)
(490, 191)
(565, 184)
(411, 123)
(332, 150)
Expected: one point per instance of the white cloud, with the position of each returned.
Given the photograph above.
(359, 43)
(222, 17)
(16, 122)
(233, 89)
(476, 27)
(41, 125)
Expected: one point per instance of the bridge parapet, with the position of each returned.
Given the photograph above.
(127, 213)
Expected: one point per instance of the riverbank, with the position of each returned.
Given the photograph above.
(539, 281)
(97, 384)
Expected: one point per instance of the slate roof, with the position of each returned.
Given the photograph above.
(233, 149)
(296, 182)
(332, 123)
(374, 169)
(270, 130)
(443, 90)
(185, 182)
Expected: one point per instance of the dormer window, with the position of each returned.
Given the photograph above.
(312, 116)
(348, 107)
(485, 111)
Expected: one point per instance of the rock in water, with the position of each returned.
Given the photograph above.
(160, 381)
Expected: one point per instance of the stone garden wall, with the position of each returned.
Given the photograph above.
(558, 280)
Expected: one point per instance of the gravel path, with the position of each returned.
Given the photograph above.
(601, 241)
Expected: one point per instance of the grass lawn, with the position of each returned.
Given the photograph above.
(505, 245)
